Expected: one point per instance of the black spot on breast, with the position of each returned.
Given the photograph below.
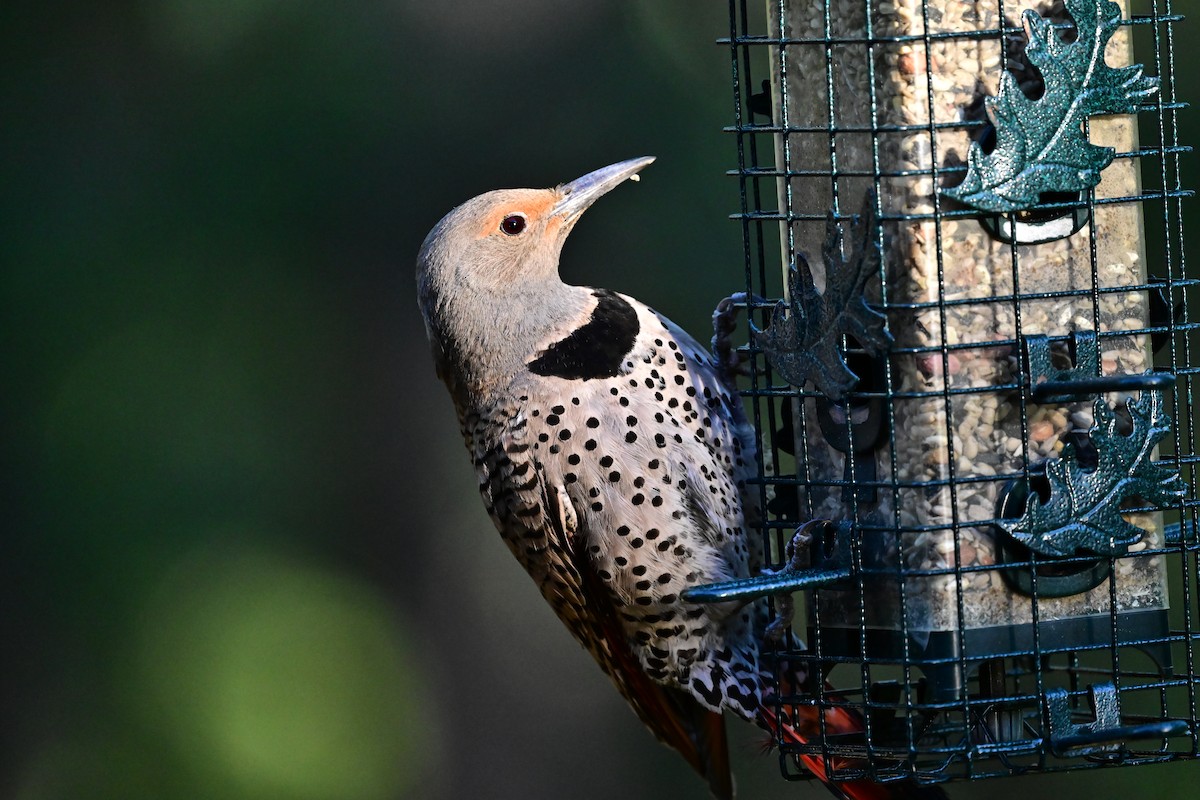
(596, 350)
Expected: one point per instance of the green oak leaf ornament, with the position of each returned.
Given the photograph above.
(804, 339)
(1083, 511)
(1040, 144)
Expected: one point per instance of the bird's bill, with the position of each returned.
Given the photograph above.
(582, 192)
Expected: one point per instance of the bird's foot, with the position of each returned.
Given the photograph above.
(785, 610)
(730, 360)
(797, 557)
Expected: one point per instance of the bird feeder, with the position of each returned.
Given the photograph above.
(971, 381)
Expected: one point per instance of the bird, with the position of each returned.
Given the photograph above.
(612, 453)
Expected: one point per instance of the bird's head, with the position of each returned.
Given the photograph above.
(487, 274)
(511, 236)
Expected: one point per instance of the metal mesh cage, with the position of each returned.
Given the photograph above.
(1007, 578)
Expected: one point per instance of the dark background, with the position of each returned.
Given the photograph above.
(244, 556)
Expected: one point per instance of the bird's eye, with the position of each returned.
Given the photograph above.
(513, 224)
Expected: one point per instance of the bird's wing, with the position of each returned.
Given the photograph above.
(538, 522)
(718, 392)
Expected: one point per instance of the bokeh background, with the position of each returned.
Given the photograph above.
(243, 556)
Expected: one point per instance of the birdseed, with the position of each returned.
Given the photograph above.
(957, 300)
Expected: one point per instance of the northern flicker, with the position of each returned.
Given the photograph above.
(611, 451)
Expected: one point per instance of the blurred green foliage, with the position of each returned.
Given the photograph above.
(290, 680)
(243, 557)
